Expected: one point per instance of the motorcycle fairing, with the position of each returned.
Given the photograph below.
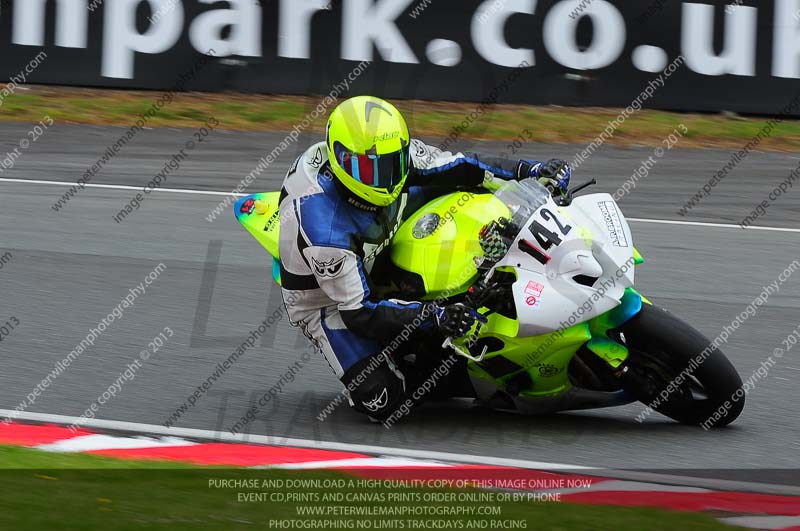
(543, 349)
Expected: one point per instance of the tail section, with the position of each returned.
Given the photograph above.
(259, 214)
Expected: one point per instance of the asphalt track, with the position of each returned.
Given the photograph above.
(70, 268)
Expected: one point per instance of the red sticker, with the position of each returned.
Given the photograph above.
(248, 206)
(534, 288)
(531, 300)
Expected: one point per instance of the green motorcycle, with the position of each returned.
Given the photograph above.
(565, 327)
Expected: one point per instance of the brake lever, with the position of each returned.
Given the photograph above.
(448, 343)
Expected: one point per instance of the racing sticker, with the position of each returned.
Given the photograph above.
(534, 288)
(548, 370)
(613, 222)
(533, 293)
(248, 206)
(271, 221)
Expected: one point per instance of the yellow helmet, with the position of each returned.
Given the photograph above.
(368, 148)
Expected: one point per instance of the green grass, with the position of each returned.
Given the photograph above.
(67, 491)
(432, 120)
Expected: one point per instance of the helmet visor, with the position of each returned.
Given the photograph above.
(378, 171)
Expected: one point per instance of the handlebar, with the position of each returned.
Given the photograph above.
(566, 199)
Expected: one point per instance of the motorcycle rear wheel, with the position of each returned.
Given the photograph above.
(661, 347)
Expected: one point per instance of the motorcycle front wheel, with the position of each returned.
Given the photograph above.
(671, 369)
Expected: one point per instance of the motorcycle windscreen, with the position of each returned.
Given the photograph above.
(259, 214)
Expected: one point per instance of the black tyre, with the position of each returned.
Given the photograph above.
(664, 350)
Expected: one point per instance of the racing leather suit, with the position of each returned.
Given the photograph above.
(329, 242)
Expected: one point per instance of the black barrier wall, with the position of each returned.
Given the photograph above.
(708, 56)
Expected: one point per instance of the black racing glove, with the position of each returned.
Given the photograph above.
(455, 320)
(554, 175)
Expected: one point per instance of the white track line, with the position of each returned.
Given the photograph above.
(704, 224)
(208, 192)
(122, 187)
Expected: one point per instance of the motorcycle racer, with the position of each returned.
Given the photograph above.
(340, 204)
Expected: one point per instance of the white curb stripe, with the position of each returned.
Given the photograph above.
(363, 462)
(191, 433)
(628, 486)
(90, 443)
(763, 522)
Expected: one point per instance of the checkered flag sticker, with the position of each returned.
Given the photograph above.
(491, 240)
